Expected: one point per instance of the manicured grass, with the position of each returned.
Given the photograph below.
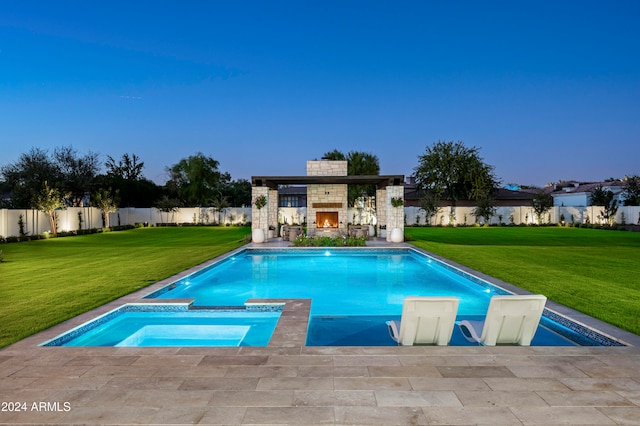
(593, 271)
(45, 282)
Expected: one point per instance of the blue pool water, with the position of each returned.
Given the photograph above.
(353, 292)
(340, 282)
(183, 328)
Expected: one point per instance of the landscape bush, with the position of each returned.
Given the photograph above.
(306, 241)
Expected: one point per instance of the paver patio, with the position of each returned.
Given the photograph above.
(289, 383)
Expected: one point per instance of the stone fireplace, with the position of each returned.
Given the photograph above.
(326, 202)
(327, 220)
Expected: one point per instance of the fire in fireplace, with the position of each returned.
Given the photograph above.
(326, 219)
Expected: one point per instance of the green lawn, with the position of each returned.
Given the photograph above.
(593, 271)
(45, 282)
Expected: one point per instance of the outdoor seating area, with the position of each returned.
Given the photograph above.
(510, 320)
(359, 231)
(290, 232)
(425, 321)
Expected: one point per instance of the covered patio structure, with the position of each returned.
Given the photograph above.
(327, 185)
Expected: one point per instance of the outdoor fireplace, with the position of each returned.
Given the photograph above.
(326, 219)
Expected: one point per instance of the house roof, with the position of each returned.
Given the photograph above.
(413, 193)
(587, 187)
(380, 181)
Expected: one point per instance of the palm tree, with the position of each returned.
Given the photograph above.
(359, 164)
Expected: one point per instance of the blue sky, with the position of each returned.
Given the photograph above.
(547, 90)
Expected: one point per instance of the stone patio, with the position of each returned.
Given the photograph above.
(289, 383)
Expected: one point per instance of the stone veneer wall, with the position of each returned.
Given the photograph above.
(381, 209)
(326, 168)
(273, 211)
(326, 193)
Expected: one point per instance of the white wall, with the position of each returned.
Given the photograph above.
(522, 215)
(37, 222)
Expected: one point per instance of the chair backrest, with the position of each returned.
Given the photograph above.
(512, 319)
(427, 320)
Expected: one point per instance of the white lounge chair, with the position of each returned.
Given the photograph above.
(510, 320)
(425, 321)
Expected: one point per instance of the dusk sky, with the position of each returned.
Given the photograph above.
(547, 90)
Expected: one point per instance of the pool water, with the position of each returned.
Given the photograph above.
(372, 331)
(353, 292)
(186, 328)
(338, 282)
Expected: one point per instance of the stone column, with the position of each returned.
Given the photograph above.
(273, 210)
(381, 209)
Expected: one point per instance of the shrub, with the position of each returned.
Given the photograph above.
(306, 241)
(355, 242)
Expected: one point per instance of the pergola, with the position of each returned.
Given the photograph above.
(273, 182)
(387, 187)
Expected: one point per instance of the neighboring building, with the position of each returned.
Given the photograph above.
(503, 197)
(578, 194)
(296, 196)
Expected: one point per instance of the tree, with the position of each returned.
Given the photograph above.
(632, 191)
(260, 202)
(76, 173)
(358, 164)
(334, 155)
(167, 205)
(127, 168)
(599, 196)
(48, 200)
(219, 204)
(485, 209)
(452, 171)
(238, 192)
(125, 176)
(195, 179)
(107, 202)
(542, 202)
(26, 176)
(605, 198)
(429, 203)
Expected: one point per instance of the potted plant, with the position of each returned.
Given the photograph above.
(383, 231)
(257, 234)
(397, 235)
(397, 202)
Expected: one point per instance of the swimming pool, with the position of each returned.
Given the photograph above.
(340, 282)
(157, 325)
(353, 291)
